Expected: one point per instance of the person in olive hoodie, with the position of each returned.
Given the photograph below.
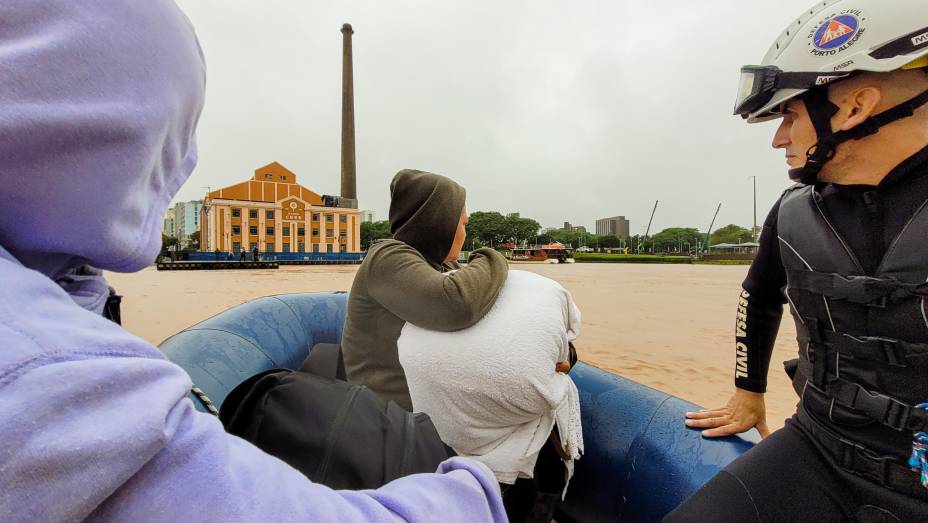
(402, 280)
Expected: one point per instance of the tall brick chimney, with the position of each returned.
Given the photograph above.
(349, 174)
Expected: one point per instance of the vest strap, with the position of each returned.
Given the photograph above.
(856, 458)
(879, 407)
(885, 350)
(865, 290)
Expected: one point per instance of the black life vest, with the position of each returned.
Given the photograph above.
(863, 339)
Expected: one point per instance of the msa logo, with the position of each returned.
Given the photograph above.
(920, 40)
(822, 80)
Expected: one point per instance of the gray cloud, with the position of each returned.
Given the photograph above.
(559, 110)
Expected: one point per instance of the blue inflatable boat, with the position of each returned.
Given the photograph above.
(640, 460)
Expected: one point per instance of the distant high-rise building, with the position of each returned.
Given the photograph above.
(573, 228)
(168, 228)
(514, 215)
(616, 226)
(368, 216)
(186, 221)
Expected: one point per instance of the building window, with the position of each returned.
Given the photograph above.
(329, 218)
(284, 177)
(316, 248)
(269, 215)
(315, 233)
(302, 247)
(343, 218)
(328, 248)
(269, 231)
(253, 230)
(253, 246)
(252, 214)
(286, 247)
(343, 234)
(236, 247)
(236, 230)
(236, 213)
(268, 176)
(269, 247)
(342, 248)
(301, 232)
(315, 217)
(286, 230)
(329, 233)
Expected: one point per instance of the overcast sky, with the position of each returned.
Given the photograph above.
(563, 111)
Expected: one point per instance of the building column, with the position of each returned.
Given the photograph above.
(308, 229)
(227, 237)
(337, 218)
(246, 238)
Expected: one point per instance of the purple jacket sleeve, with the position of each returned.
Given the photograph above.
(111, 437)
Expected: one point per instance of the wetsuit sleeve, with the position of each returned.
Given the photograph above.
(760, 309)
(406, 285)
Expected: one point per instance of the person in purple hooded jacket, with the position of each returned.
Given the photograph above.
(99, 100)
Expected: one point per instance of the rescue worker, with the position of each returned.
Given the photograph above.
(846, 248)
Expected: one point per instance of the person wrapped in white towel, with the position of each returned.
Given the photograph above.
(498, 391)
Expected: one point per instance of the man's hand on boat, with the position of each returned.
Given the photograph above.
(744, 411)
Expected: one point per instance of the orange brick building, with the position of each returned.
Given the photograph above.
(275, 214)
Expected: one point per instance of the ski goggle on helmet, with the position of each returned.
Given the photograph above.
(829, 42)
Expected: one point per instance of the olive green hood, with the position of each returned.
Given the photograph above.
(425, 209)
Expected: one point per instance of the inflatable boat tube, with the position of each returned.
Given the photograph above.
(640, 461)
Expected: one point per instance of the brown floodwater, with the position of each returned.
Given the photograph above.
(670, 327)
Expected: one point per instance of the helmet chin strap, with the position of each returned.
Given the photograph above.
(821, 110)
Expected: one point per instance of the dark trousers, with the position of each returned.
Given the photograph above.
(790, 477)
(535, 500)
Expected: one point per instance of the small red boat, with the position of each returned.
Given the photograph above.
(551, 253)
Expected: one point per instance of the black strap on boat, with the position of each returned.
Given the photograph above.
(856, 458)
(865, 290)
(879, 407)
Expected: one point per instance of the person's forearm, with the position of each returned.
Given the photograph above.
(756, 326)
(414, 291)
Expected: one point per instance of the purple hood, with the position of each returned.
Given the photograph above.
(98, 104)
(97, 120)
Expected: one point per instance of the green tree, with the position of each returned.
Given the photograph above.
(193, 241)
(607, 242)
(488, 228)
(371, 231)
(675, 239)
(517, 230)
(730, 234)
(168, 242)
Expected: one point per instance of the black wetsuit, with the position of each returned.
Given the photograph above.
(790, 476)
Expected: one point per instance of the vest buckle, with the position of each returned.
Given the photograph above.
(892, 353)
(897, 414)
(885, 409)
(879, 303)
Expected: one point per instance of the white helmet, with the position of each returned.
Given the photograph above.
(829, 42)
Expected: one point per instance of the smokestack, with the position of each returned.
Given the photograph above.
(349, 175)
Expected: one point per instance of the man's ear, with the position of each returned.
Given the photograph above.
(859, 106)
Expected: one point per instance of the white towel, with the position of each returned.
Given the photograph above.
(492, 390)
